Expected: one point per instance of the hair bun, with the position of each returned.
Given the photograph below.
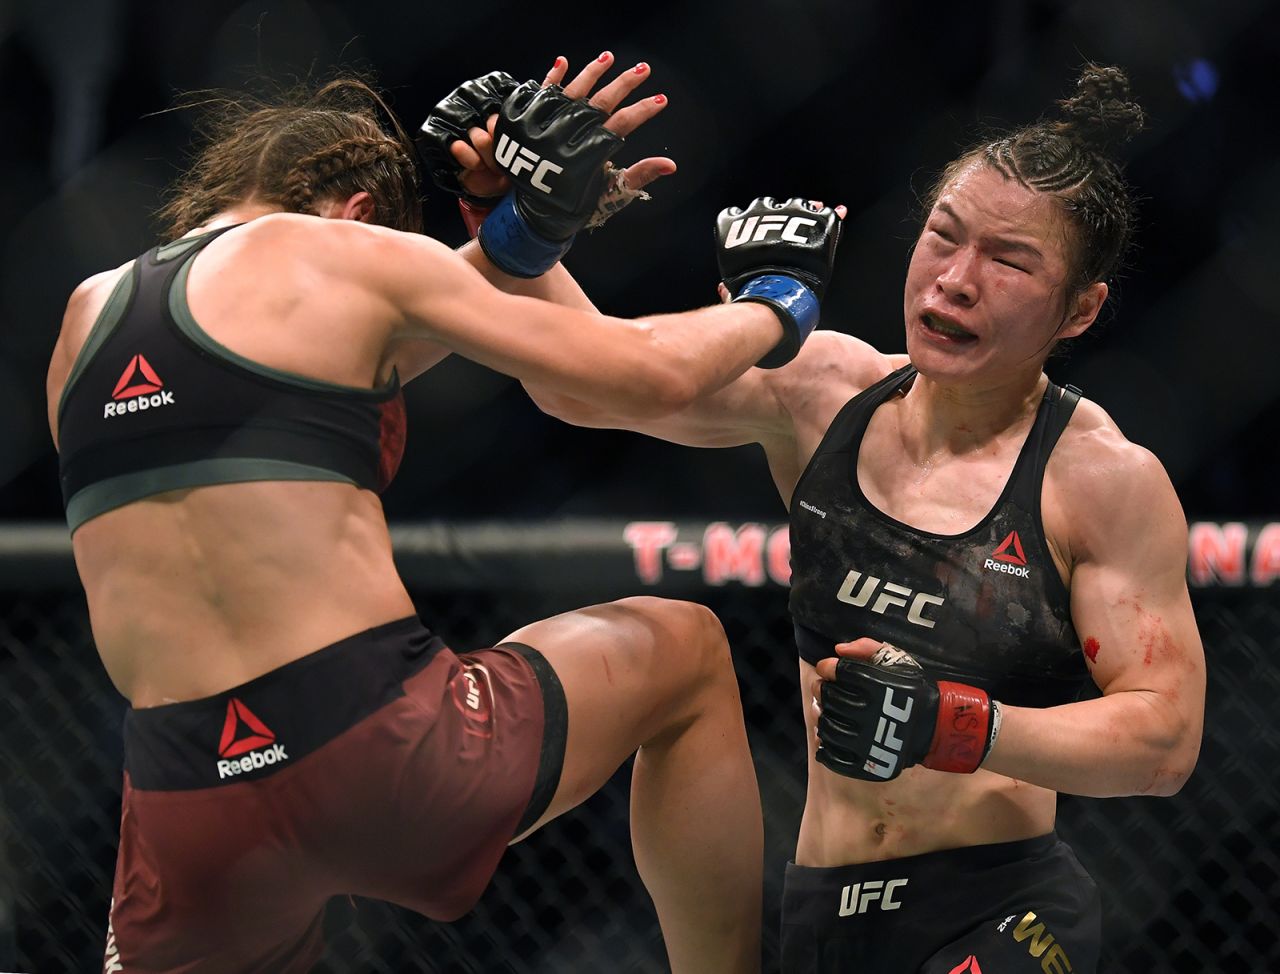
(1100, 113)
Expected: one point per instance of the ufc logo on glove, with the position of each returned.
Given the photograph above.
(515, 159)
(757, 228)
(882, 761)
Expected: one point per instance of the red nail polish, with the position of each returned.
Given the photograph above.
(641, 68)
(559, 61)
(659, 99)
(604, 57)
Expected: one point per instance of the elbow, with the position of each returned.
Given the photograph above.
(1181, 769)
(671, 397)
(660, 389)
(1174, 767)
(1171, 746)
(563, 408)
(1165, 782)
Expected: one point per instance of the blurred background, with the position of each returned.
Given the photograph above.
(844, 100)
(851, 101)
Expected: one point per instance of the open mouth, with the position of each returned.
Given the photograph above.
(944, 328)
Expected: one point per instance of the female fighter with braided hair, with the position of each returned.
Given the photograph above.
(970, 544)
(295, 732)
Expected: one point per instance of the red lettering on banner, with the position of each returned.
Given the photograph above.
(1266, 555)
(1217, 553)
(648, 540)
(733, 555)
(780, 555)
(685, 556)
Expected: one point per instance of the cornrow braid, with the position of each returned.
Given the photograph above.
(337, 166)
(1071, 158)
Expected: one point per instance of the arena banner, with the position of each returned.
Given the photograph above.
(1221, 554)
(1233, 554)
(616, 557)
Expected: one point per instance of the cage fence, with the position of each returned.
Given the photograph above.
(1190, 884)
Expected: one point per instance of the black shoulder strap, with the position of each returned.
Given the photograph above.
(1055, 413)
(1063, 403)
(185, 247)
(853, 414)
(845, 432)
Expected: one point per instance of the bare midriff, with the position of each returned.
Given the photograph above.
(849, 821)
(195, 591)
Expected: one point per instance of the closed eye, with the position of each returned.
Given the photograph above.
(1009, 263)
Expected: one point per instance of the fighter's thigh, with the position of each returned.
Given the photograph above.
(199, 886)
(632, 671)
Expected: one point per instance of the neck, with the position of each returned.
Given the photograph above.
(961, 419)
(237, 213)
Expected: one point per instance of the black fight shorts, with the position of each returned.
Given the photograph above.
(1024, 907)
(383, 766)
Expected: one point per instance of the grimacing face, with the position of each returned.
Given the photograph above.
(985, 297)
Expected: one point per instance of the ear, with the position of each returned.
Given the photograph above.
(359, 206)
(1083, 311)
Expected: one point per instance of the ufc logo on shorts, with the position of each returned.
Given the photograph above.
(472, 698)
(882, 758)
(891, 594)
(859, 897)
(516, 158)
(472, 691)
(757, 228)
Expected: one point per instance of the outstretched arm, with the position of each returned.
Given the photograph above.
(421, 289)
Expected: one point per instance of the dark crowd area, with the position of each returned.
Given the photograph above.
(849, 101)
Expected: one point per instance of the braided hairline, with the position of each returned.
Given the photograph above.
(1076, 169)
(312, 174)
(1086, 183)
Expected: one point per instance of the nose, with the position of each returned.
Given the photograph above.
(958, 279)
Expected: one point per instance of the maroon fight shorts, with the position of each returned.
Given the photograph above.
(383, 766)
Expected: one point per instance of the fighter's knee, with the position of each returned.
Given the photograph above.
(688, 634)
(710, 636)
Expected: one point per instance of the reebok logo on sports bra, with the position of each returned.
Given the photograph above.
(1009, 558)
(138, 389)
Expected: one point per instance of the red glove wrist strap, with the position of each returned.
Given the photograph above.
(473, 215)
(963, 730)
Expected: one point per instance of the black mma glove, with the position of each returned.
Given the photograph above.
(780, 254)
(554, 149)
(885, 715)
(466, 107)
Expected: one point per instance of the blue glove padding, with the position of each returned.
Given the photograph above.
(796, 307)
(513, 247)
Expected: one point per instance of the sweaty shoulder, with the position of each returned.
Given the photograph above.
(88, 299)
(830, 370)
(807, 394)
(1102, 490)
(335, 244)
(297, 242)
(83, 307)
